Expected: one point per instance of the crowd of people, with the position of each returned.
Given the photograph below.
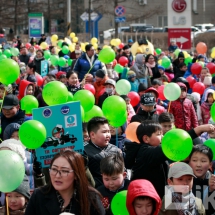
(86, 184)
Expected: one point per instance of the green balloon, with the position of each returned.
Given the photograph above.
(212, 111)
(118, 203)
(172, 91)
(158, 51)
(14, 51)
(7, 53)
(123, 87)
(95, 111)
(114, 106)
(14, 170)
(28, 103)
(62, 61)
(119, 120)
(166, 62)
(118, 68)
(47, 54)
(177, 144)
(70, 62)
(54, 93)
(9, 71)
(70, 97)
(82, 113)
(188, 60)
(86, 98)
(176, 52)
(59, 43)
(2, 57)
(65, 49)
(107, 55)
(211, 144)
(32, 134)
(0, 52)
(54, 60)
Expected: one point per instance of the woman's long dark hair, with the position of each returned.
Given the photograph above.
(81, 183)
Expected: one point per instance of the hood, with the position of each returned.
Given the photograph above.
(22, 88)
(152, 89)
(141, 187)
(139, 60)
(182, 85)
(207, 92)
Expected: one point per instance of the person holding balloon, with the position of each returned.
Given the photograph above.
(73, 84)
(23, 57)
(183, 110)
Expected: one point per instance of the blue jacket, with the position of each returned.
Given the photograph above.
(82, 66)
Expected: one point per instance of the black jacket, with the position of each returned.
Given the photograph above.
(102, 98)
(37, 63)
(147, 162)
(143, 115)
(24, 58)
(95, 155)
(47, 204)
(18, 118)
(108, 195)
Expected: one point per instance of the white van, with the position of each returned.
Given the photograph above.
(204, 27)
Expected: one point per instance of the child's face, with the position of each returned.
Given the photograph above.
(113, 182)
(15, 135)
(200, 164)
(183, 184)
(73, 79)
(184, 68)
(183, 94)
(166, 126)
(86, 136)
(63, 80)
(155, 86)
(161, 71)
(155, 138)
(102, 136)
(210, 99)
(204, 73)
(133, 79)
(16, 201)
(30, 90)
(10, 112)
(1, 93)
(143, 206)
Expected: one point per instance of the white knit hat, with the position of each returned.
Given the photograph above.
(14, 145)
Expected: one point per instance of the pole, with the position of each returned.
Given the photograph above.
(116, 24)
(68, 17)
(89, 18)
(203, 11)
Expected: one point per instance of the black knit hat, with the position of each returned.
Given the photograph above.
(100, 73)
(181, 55)
(24, 188)
(141, 87)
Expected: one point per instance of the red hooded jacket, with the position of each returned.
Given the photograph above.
(23, 87)
(141, 187)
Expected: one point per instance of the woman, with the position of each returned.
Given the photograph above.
(68, 190)
(152, 66)
(142, 72)
(37, 60)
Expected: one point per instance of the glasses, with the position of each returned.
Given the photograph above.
(63, 173)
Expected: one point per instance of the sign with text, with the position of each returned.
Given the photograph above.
(64, 130)
(44, 68)
(35, 24)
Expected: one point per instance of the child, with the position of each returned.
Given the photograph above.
(179, 198)
(63, 79)
(203, 74)
(166, 120)
(131, 77)
(147, 109)
(113, 176)
(98, 146)
(117, 140)
(111, 73)
(73, 83)
(181, 72)
(85, 133)
(147, 159)
(25, 88)
(183, 111)
(164, 77)
(200, 161)
(2, 91)
(17, 199)
(11, 131)
(208, 135)
(156, 83)
(206, 106)
(109, 91)
(142, 198)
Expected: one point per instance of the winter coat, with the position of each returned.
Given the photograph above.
(43, 203)
(205, 109)
(99, 86)
(17, 212)
(73, 89)
(37, 62)
(82, 66)
(23, 86)
(138, 188)
(184, 114)
(95, 155)
(24, 58)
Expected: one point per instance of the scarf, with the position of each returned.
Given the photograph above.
(90, 60)
(185, 204)
(150, 66)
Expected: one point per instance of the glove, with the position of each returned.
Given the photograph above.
(37, 167)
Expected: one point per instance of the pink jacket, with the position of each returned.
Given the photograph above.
(205, 109)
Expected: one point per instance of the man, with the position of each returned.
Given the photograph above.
(173, 46)
(130, 42)
(23, 57)
(88, 63)
(42, 39)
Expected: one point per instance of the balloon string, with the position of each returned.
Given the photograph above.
(169, 106)
(116, 137)
(7, 205)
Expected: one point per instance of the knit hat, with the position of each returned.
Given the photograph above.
(131, 74)
(130, 41)
(110, 81)
(200, 56)
(196, 96)
(207, 80)
(100, 73)
(161, 67)
(142, 87)
(14, 145)
(24, 188)
(12, 127)
(126, 47)
(181, 55)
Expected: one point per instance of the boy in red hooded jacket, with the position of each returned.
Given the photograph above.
(142, 198)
